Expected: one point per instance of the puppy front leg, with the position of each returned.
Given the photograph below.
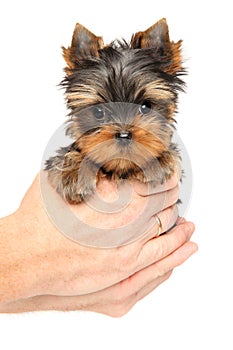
(73, 177)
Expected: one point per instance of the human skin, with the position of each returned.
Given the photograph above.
(41, 269)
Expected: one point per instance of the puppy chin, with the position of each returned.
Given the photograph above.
(121, 166)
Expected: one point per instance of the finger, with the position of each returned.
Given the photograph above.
(176, 258)
(180, 220)
(145, 189)
(164, 268)
(167, 218)
(150, 273)
(128, 303)
(156, 203)
(127, 298)
(152, 286)
(160, 247)
(139, 280)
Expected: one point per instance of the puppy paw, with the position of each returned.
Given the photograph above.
(73, 177)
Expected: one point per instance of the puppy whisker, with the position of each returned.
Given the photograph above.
(122, 100)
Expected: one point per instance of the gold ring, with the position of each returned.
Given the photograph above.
(160, 226)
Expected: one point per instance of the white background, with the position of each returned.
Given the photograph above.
(193, 309)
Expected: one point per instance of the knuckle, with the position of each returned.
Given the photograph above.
(172, 196)
(163, 273)
(118, 262)
(167, 274)
(125, 261)
(124, 291)
(123, 299)
(173, 181)
(169, 217)
(176, 194)
(160, 249)
(118, 313)
(183, 235)
(119, 310)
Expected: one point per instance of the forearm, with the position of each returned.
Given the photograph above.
(50, 303)
(38, 303)
(17, 267)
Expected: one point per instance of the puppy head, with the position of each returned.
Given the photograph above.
(122, 97)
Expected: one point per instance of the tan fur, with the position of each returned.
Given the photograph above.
(70, 54)
(122, 79)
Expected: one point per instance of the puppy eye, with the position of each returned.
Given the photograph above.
(98, 112)
(145, 107)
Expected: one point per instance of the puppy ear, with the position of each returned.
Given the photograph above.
(157, 37)
(84, 44)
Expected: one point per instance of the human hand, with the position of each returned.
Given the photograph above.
(49, 263)
(119, 298)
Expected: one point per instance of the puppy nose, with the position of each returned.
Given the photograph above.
(124, 135)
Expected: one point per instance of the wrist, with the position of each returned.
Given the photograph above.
(10, 286)
(18, 266)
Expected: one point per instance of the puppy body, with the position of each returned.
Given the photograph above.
(122, 100)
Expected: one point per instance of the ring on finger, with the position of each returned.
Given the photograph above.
(160, 226)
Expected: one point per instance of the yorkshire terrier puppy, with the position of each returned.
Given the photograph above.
(122, 99)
